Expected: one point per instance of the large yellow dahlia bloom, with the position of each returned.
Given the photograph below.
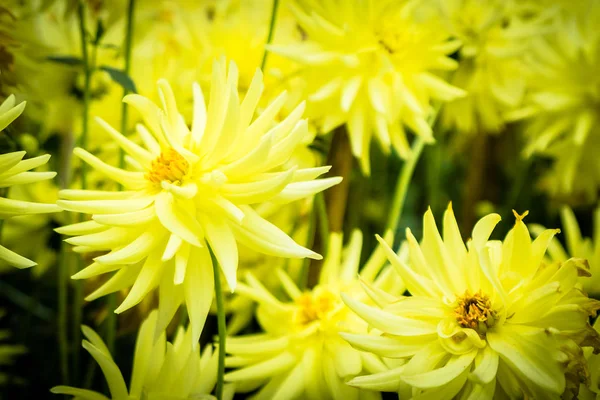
(15, 171)
(577, 246)
(301, 354)
(486, 320)
(188, 189)
(371, 66)
(161, 369)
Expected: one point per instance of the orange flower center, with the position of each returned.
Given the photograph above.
(314, 306)
(170, 166)
(475, 312)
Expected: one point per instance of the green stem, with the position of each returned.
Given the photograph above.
(86, 91)
(323, 222)
(26, 302)
(111, 319)
(63, 341)
(3, 193)
(271, 33)
(222, 327)
(310, 241)
(403, 183)
(127, 70)
(406, 175)
(78, 295)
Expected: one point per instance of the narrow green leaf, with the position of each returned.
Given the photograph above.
(99, 32)
(121, 78)
(66, 60)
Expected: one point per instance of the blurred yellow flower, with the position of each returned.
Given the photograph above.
(561, 107)
(494, 37)
(161, 369)
(577, 246)
(485, 320)
(371, 66)
(301, 353)
(16, 171)
(191, 188)
(55, 90)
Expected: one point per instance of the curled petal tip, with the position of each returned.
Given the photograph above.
(520, 217)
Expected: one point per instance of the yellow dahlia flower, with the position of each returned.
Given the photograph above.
(577, 246)
(560, 109)
(188, 188)
(161, 369)
(301, 354)
(494, 38)
(370, 65)
(485, 320)
(15, 171)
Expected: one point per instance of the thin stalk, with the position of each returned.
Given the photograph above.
(62, 321)
(3, 193)
(127, 70)
(78, 295)
(86, 90)
(406, 175)
(64, 177)
(310, 241)
(271, 33)
(111, 319)
(323, 222)
(222, 327)
(403, 183)
(26, 302)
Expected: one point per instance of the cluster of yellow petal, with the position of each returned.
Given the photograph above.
(592, 390)
(16, 171)
(521, 336)
(585, 248)
(189, 189)
(301, 354)
(161, 369)
(370, 65)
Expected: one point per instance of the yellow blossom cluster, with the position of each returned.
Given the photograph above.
(225, 168)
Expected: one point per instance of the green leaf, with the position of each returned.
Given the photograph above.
(66, 60)
(99, 32)
(121, 78)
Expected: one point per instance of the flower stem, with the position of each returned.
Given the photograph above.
(406, 175)
(3, 193)
(111, 319)
(222, 327)
(86, 91)
(403, 183)
(271, 33)
(127, 70)
(323, 222)
(78, 295)
(62, 321)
